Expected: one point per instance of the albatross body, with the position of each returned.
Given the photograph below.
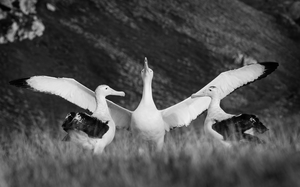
(146, 120)
(227, 127)
(89, 131)
(148, 124)
(94, 131)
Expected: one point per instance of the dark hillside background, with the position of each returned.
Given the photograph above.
(187, 45)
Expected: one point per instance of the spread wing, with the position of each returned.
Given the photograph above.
(120, 115)
(184, 112)
(230, 80)
(74, 92)
(181, 114)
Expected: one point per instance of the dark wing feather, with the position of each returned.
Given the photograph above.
(92, 126)
(258, 126)
(67, 125)
(236, 126)
(233, 125)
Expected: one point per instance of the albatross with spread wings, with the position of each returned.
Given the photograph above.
(146, 120)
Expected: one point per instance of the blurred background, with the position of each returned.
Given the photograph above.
(187, 44)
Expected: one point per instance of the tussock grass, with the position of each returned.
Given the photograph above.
(39, 158)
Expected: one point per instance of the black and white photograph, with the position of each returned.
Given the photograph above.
(149, 93)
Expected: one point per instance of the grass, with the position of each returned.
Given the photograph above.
(37, 157)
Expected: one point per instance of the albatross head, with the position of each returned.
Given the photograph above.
(104, 90)
(211, 91)
(146, 73)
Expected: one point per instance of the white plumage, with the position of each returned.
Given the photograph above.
(146, 121)
(227, 127)
(93, 132)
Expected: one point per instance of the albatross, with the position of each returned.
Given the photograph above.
(146, 121)
(94, 131)
(225, 127)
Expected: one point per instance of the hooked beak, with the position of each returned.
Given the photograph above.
(146, 68)
(118, 93)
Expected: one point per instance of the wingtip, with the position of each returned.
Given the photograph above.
(20, 83)
(269, 68)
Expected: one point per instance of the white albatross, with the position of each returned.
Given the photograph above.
(96, 131)
(225, 127)
(147, 121)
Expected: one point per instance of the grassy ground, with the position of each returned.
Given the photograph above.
(37, 157)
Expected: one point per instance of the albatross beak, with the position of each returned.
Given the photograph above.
(146, 68)
(118, 93)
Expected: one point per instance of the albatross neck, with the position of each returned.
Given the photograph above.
(214, 106)
(147, 98)
(102, 108)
